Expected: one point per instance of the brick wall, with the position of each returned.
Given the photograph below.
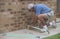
(14, 14)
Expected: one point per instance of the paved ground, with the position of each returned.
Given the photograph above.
(31, 32)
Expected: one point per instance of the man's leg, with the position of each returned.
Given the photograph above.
(51, 19)
(42, 18)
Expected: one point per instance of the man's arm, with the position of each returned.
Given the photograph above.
(34, 20)
(38, 10)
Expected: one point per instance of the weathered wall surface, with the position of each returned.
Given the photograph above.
(14, 14)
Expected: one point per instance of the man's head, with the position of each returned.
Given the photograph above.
(31, 7)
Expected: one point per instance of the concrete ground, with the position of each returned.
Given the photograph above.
(35, 33)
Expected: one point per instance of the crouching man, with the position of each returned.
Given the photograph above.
(42, 12)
